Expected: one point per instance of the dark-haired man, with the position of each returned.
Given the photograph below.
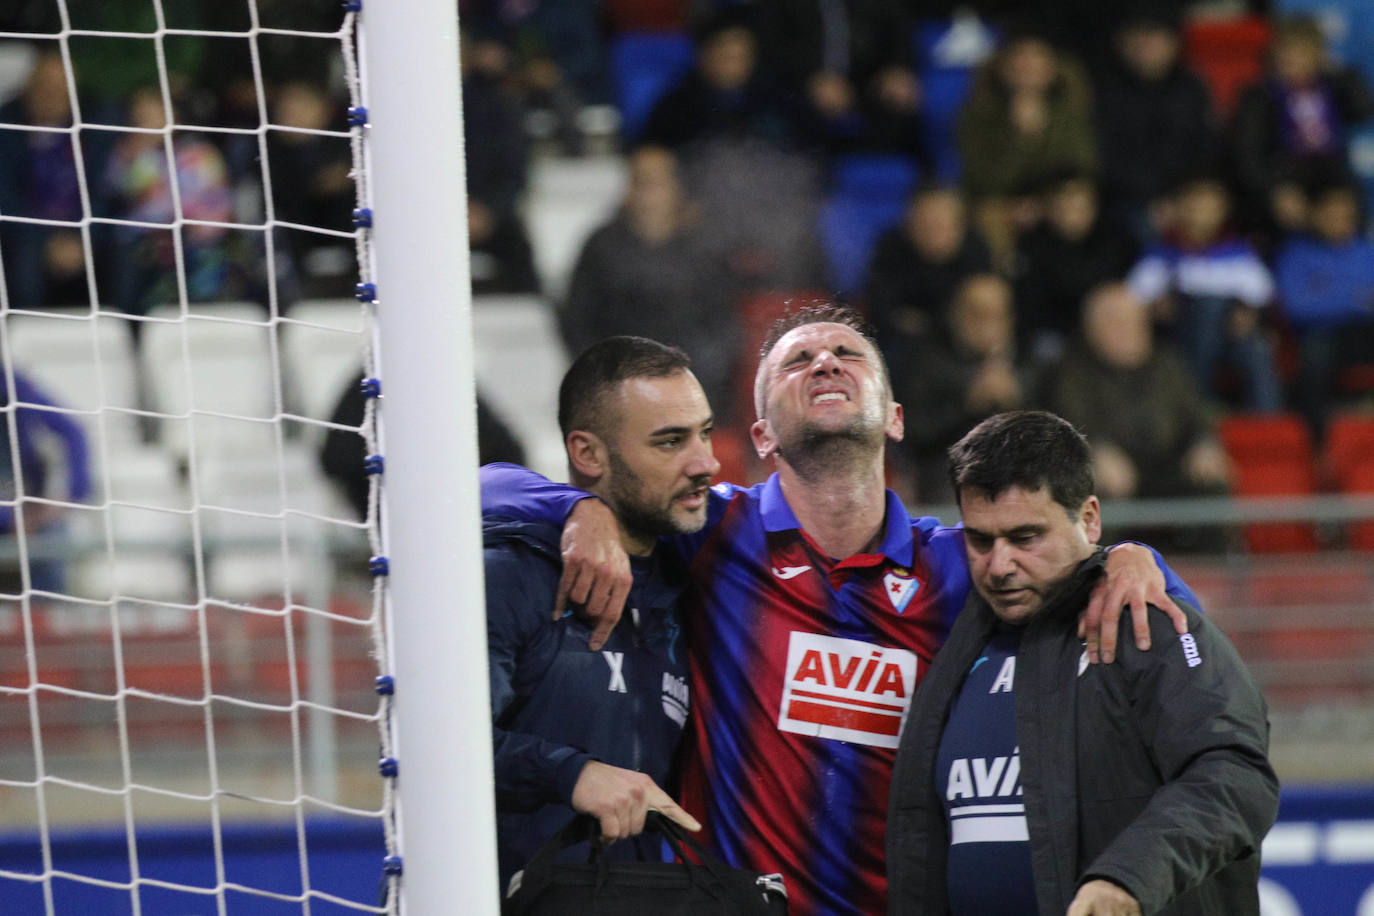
(1030, 781)
(817, 605)
(597, 732)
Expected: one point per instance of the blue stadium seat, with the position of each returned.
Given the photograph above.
(867, 195)
(948, 52)
(644, 66)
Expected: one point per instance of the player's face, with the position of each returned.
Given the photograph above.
(824, 381)
(660, 457)
(1022, 545)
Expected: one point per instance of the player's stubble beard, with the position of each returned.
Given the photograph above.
(815, 452)
(645, 517)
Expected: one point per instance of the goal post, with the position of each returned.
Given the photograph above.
(431, 525)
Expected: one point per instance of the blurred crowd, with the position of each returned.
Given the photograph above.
(1045, 203)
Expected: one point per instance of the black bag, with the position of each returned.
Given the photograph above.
(682, 888)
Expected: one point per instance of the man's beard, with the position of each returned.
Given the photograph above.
(643, 518)
(814, 451)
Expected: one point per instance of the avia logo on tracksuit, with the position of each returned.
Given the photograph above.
(846, 689)
(986, 797)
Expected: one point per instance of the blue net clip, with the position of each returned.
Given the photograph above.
(357, 116)
(365, 292)
(362, 218)
(353, 6)
(391, 866)
(371, 387)
(388, 767)
(384, 685)
(379, 566)
(374, 464)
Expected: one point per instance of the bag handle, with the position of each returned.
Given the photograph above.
(538, 873)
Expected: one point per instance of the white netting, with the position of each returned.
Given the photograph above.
(188, 633)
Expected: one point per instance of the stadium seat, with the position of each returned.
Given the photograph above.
(244, 517)
(143, 557)
(867, 195)
(83, 361)
(520, 361)
(567, 200)
(1228, 54)
(322, 350)
(1349, 462)
(228, 382)
(1272, 455)
(948, 52)
(645, 65)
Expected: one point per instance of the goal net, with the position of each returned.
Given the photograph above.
(196, 680)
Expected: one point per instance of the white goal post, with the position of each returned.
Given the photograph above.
(443, 728)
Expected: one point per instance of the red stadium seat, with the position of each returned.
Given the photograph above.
(1272, 456)
(1348, 460)
(1228, 54)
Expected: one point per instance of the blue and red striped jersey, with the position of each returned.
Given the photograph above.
(803, 668)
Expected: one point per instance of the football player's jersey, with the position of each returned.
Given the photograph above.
(803, 668)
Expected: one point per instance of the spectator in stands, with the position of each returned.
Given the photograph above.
(1294, 124)
(1211, 288)
(312, 185)
(852, 62)
(1152, 433)
(1325, 284)
(1073, 248)
(1028, 116)
(139, 180)
(40, 436)
(1154, 119)
(656, 270)
(497, 157)
(971, 372)
(917, 266)
(43, 266)
(726, 95)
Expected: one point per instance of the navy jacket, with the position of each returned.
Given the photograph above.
(555, 704)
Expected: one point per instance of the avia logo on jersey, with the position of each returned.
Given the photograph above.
(846, 689)
(675, 698)
(900, 586)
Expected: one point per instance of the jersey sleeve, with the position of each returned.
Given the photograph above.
(529, 771)
(1204, 721)
(511, 491)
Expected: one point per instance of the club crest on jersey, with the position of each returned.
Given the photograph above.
(901, 586)
(846, 690)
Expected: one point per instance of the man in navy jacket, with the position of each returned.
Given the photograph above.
(596, 731)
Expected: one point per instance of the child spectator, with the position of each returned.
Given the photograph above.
(1210, 288)
(1326, 294)
(139, 177)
